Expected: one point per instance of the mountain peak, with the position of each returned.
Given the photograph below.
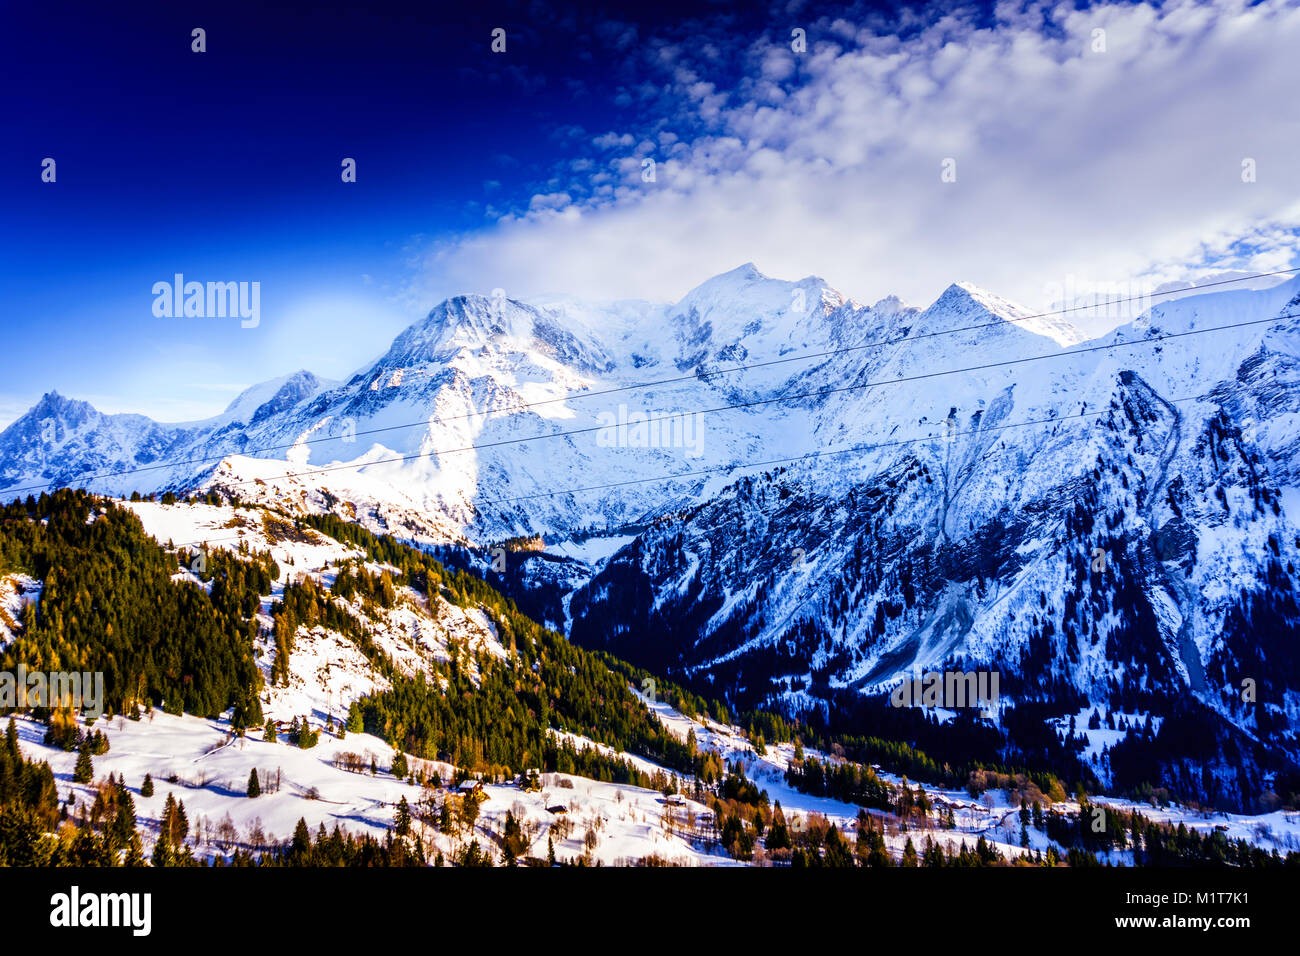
(963, 295)
(745, 286)
(461, 320)
(892, 305)
(966, 298)
(52, 404)
(259, 402)
(732, 282)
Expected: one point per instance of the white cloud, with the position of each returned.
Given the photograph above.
(549, 201)
(611, 140)
(1106, 165)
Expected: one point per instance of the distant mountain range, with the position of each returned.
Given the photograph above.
(1109, 523)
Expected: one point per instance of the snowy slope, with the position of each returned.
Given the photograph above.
(202, 765)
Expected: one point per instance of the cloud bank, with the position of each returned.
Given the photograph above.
(1017, 148)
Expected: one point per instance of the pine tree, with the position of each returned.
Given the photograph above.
(862, 844)
(403, 821)
(254, 785)
(513, 842)
(837, 853)
(879, 856)
(268, 731)
(134, 851)
(174, 825)
(933, 855)
(167, 822)
(122, 828)
(472, 855)
(162, 855)
(84, 772)
(909, 854)
(399, 769)
(778, 835)
(300, 848)
(146, 788)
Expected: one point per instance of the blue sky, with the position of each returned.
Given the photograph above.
(225, 165)
(524, 170)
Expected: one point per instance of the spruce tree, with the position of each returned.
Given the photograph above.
(403, 826)
(254, 785)
(123, 826)
(909, 854)
(174, 826)
(879, 856)
(778, 835)
(300, 848)
(84, 772)
(513, 842)
(146, 788)
(162, 855)
(11, 740)
(862, 843)
(134, 851)
(167, 822)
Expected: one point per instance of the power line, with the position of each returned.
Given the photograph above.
(696, 376)
(745, 466)
(352, 466)
(859, 447)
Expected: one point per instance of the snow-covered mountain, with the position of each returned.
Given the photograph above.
(1114, 520)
